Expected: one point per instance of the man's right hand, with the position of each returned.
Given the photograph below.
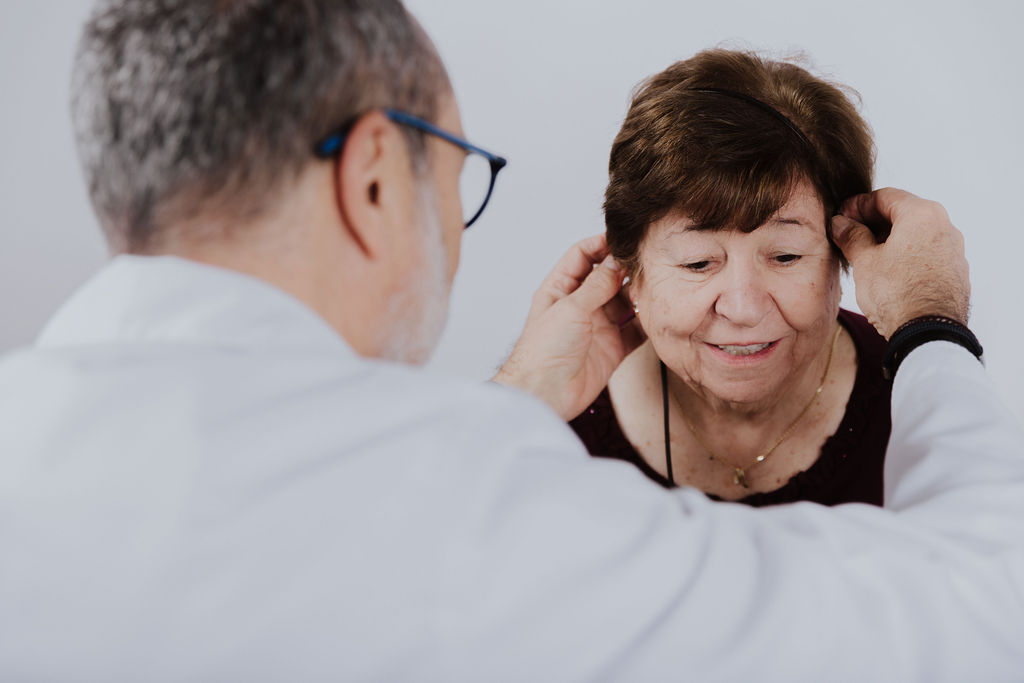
(919, 270)
(579, 329)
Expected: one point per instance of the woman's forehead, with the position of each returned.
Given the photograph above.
(803, 209)
(790, 226)
(804, 204)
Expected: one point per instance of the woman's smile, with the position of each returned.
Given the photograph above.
(743, 354)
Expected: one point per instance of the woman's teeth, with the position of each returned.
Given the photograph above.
(744, 350)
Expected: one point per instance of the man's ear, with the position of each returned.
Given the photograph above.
(374, 182)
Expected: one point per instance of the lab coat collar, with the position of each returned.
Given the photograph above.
(164, 299)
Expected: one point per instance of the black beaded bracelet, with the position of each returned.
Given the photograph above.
(919, 331)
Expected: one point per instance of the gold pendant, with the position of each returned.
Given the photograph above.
(740, 477)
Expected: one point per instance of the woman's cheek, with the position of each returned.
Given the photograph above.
(680, 309)
(805, 300)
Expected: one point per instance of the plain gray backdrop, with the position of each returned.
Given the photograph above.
(546, 83)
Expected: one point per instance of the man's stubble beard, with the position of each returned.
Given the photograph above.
(416, 317)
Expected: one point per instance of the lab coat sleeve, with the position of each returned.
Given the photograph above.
(578, 569)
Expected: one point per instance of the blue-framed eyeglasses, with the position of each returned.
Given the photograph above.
(479, 171)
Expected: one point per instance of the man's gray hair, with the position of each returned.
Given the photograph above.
(183, 107)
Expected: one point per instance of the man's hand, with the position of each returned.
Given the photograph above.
(577, 332)
(919, 270)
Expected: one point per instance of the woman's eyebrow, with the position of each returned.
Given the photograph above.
(802, 222)
(688, 228)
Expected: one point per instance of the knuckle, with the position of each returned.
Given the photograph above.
(936, 210)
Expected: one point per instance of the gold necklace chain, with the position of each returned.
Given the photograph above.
(740, 473)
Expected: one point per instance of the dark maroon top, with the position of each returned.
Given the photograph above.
(849, 468)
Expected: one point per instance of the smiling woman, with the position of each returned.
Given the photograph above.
(753, 384)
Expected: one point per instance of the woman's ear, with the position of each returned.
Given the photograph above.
(374, 183)
(629, 290)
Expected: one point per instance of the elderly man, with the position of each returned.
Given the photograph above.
(219, 463)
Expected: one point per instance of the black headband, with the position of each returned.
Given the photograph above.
(758, 103)
(784, 119)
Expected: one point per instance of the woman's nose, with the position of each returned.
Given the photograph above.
(744, 299)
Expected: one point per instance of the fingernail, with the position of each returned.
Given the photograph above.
(840, 223)
(609, 262)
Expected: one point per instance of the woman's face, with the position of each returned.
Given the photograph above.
(738, 315)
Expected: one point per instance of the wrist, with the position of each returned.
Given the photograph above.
(536, 388)
(950, 306)
(920, 331)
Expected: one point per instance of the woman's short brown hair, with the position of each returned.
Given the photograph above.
(701, 138)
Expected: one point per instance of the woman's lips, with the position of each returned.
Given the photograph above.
(743, 349)
(743, 352)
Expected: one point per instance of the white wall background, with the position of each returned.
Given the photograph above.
(546, 83)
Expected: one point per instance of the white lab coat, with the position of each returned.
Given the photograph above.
(199, 480)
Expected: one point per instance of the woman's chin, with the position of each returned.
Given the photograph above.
(749, 397)
(747, 378)
(746, 386)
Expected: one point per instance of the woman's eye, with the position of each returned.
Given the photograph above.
(697, 266)
(787, 258)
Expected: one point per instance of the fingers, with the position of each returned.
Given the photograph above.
(594, 248)
(876, 206)
(632, 336)
(572, 269)
(853, 238)
(581, 259)
(603, 283)
(618, 310)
